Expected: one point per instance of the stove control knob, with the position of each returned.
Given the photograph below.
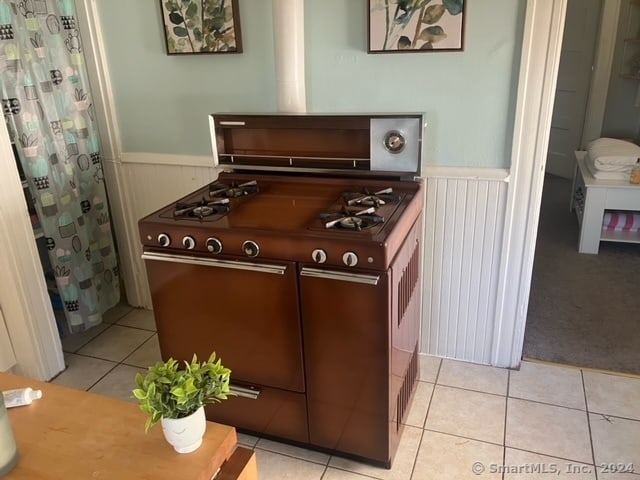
(164, 240)
(319, 255)
(189, 242)
(250, 248)
(214, 245)
(350, 259)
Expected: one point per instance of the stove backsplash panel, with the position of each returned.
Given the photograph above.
(362, 144)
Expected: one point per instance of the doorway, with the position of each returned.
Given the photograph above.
(580, 306)
(572, 90)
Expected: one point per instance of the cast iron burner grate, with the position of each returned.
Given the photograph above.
(202, 209)
(233, 190)
(368, 199)
(349, 219)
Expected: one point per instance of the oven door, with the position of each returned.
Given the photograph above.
(245, 311)
(346, 343)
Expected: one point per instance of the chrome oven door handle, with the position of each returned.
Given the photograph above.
(242, 391)
(340, 276)
(213, 262)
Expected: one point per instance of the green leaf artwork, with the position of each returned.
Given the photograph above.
(415, 25)
(201, 26)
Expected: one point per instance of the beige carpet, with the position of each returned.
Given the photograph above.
(584, 310)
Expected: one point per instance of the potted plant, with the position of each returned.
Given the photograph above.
(176, 397)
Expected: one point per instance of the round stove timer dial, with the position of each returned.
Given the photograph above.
(394, 141)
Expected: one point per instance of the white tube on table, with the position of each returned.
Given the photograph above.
(20, 397)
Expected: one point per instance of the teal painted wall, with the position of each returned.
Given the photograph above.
(468, 97)
(162, 101)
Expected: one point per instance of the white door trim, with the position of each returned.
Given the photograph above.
(597, 100)
(26, 306)
(541, 45)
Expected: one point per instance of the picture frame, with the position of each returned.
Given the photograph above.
(409, 26)
(201, 26)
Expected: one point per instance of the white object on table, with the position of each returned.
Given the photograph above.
(19, 397)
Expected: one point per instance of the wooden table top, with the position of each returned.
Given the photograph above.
(72, 434)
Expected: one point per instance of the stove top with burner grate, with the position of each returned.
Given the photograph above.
(350, 219)
(375, 199)
(210, 203)
(288, 217)
(233, 189)
(201, 210)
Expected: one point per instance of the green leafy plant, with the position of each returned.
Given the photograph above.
(168, 391)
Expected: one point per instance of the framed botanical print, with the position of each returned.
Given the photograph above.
(401, 26)
(201, 26)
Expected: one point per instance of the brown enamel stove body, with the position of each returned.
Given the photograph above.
(319, 326)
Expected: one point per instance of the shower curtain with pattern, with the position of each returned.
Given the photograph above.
(48, 109)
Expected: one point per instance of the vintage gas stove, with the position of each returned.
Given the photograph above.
(300, 267)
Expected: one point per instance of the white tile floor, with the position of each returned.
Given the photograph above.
(535, 423)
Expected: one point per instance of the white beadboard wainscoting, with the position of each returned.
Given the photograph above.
(464, 221)
(147, 182)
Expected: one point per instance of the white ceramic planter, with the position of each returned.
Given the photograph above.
(185, 434)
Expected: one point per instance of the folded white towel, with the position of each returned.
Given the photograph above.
(613, 151)
(605, 175)
(606, 166)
